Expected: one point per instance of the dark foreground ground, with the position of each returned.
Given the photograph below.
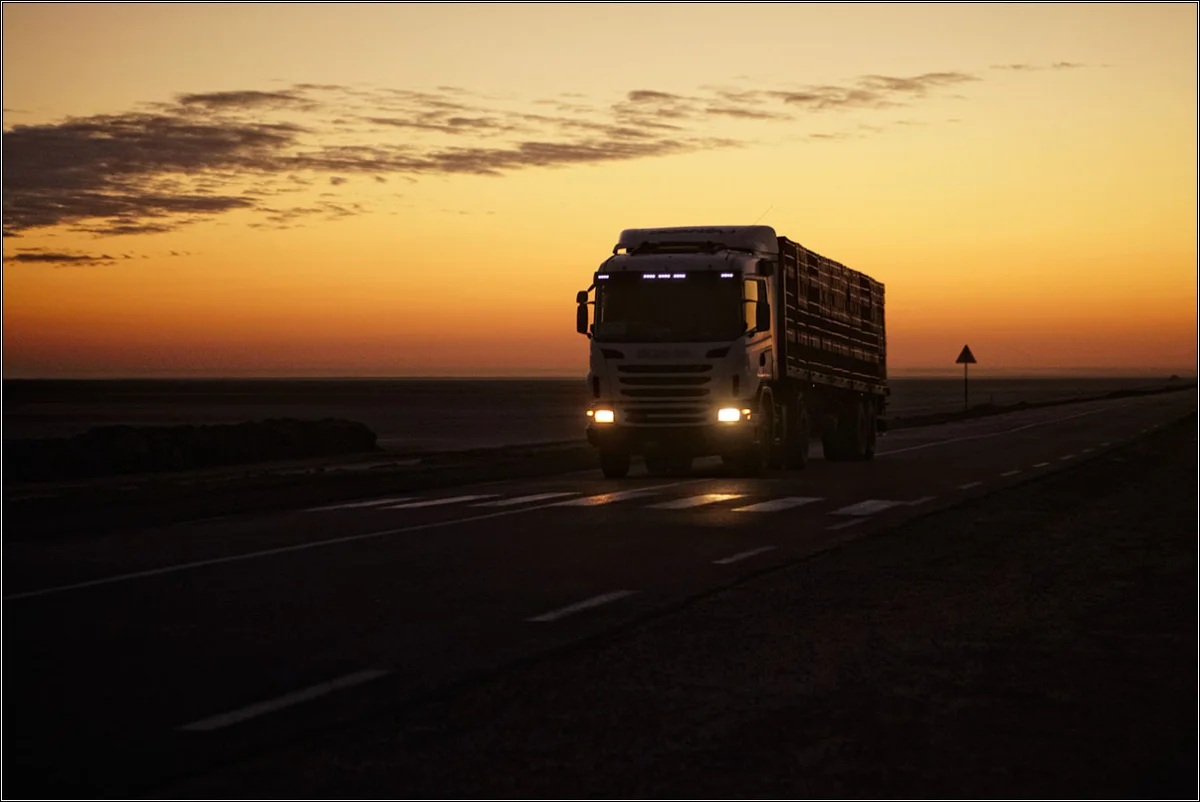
(1036, 642)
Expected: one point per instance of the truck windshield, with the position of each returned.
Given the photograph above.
(699, 307)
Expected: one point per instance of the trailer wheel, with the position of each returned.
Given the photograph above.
(872, 424)
(854, 432)
(799, 433)
(831, 442)
(614, 464)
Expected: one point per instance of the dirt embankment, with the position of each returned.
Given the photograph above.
(122, 450)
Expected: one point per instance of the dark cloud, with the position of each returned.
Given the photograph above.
(248, 99)
(1066, 65)
(1016, 67)
(206, 154)
(62, 258)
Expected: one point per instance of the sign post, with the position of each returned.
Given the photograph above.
(965, 358)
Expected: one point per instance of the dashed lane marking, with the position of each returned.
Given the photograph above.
(1067, 457)
(606, 498)
(1010, 473)
(356, 504)
(586, 604)
(1041, 465)
(847, 524)
(437, 502)
(969, 485)
(280, 702)
(1087, 451)
(695, 501)
(868, 507)
(968, 438)
(774, 505)
(509, 502)
(619, 495)
(1104, 444)
(743, 555)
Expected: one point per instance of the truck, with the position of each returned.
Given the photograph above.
(730, 341)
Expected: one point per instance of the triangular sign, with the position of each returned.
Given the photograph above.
(966, 357)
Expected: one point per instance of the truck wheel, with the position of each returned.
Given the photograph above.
(614, 464)
(853, 431)
(872, 423)
(754, 460)
(831, 443)
(799, 433)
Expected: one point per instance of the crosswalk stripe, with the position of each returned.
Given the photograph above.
(868, 507)
(695, 501)
(508, 502)
(606, 498)
(356, 504)
(774, 505)
(435, 502)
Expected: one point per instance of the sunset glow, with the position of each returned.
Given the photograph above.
(419, 190)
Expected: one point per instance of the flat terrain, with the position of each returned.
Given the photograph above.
(998, 606)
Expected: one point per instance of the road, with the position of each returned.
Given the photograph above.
(135, 659)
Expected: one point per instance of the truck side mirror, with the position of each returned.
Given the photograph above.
(762, 315)
(581, 318)
(581, 297)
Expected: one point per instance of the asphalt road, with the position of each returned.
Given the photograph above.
(137, 659)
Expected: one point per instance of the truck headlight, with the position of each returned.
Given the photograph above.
(604, 416)
(729, 415)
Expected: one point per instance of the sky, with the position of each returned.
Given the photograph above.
(420, 189)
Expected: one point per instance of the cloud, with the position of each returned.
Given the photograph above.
(169, 164)
(61, 258)
(1058, 65)
(248, 99)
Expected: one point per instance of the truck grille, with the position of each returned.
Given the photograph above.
(665, 395)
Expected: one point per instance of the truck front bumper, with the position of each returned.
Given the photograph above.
(698, 441)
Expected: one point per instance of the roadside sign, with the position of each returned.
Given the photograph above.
(965, 358)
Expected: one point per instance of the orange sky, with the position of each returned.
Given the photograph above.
(398, 190)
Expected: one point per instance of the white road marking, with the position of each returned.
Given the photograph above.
(1104, 445)
(511, 502)
(846, 524)
(254, 555)
(280, 702)
(695, 501)
(774, 505)
(868, 507)
(1087, 451)
(619, 495)
(1010, 473)
(969, 485)
(998, 434)
(920, 500)
(354, 505)
(744, 555)
(586, 604)
(606, 498)
(437, 502)
(1041, 465)
(1067, 457)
